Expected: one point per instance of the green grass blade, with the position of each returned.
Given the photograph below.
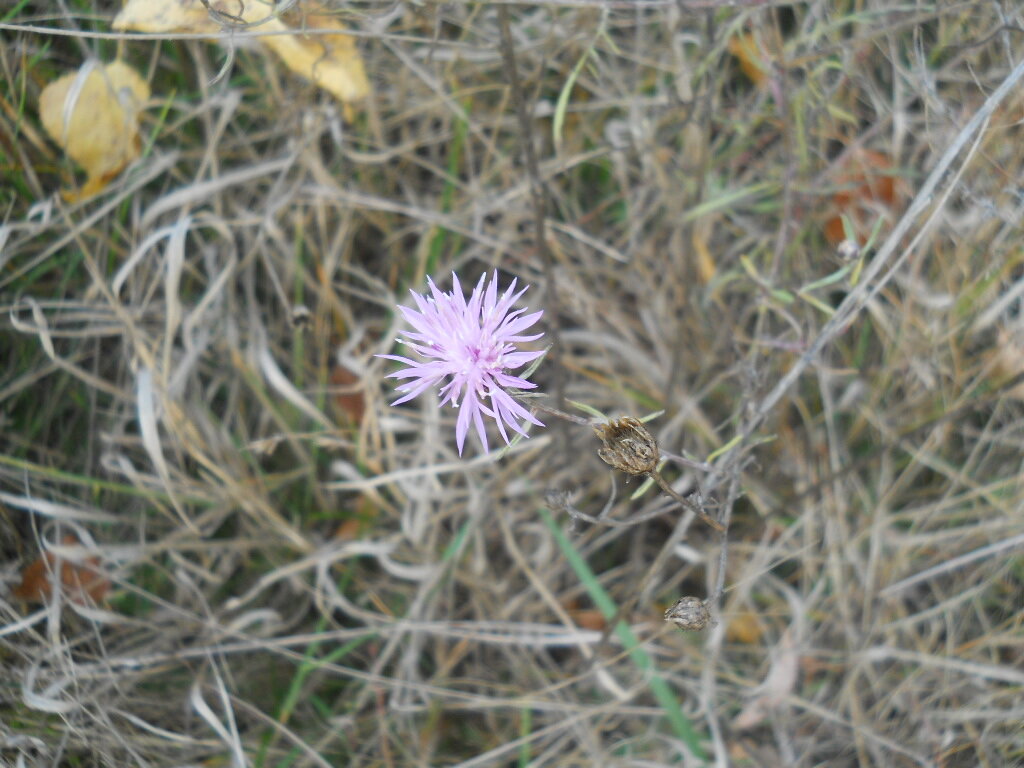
(563, 99)
(728, 197)
(679, 722)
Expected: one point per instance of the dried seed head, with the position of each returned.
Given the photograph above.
(689, 613)
(302, 318)
(628, 446)
(848, 250)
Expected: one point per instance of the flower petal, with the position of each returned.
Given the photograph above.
(519, 324)
(480, 431)
(516, 410)
(506, 380)
(415, 390)
(518, 359)
(462, 423)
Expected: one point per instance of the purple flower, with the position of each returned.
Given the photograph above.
(472, 345)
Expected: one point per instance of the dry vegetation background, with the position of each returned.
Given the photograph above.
(303, 576)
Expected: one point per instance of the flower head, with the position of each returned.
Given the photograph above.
(472, 346)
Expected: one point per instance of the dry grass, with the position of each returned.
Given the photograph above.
(302, 576)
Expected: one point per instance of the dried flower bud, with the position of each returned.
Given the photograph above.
(848, 250)
(627, 446)
(302, 318)
(689, 613)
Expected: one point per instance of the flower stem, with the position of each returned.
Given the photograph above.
(656, 476)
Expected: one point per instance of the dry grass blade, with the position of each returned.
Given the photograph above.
(219, 543)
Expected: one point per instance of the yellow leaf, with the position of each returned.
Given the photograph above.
(753, 60)
(699, 241)
(332, 60)
(744, 627)
(168, 16)
(93, 115)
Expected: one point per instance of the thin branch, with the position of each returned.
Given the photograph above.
(656, 476)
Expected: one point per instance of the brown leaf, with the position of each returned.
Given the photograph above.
(83, 584)
(589, 618)
(348, 530)
(366, 513)
(865, 181)
(93, 115)
(347, 390)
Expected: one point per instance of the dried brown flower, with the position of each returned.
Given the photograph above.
(627, 446)
(689, 613)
